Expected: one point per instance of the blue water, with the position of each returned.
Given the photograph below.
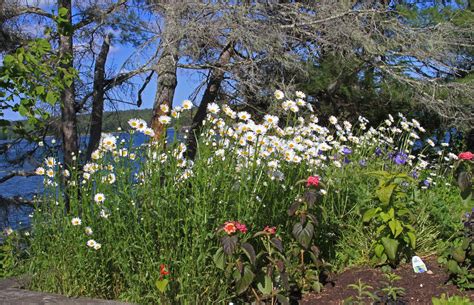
(17, 216)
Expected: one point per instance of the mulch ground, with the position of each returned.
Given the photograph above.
(419, 287)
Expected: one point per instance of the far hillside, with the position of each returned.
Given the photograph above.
(112, 120)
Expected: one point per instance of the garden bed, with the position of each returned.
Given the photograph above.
(419, 287)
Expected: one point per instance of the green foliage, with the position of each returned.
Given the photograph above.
(363, 293)
(458, 258)
(390, 292)
(395, 234)
(451, 300)
(253, 275)
(31, 79)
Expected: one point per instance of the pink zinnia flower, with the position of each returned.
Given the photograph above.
(241, 227)
(312, 181)
(230, 228)
(270, 230)
(467, 155)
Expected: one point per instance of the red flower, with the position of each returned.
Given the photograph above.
(163, 270)
(312, 181)
(270, 230)
(230, 228)
(241, 227)
(467, 155)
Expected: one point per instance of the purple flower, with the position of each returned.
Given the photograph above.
(378, 151)
(426, 183)
(347, 160)
(400, 158)
(414, 174)
(363, 163)
(346, 151)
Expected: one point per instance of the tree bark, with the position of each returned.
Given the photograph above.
(68, 111)
(215, 80)
(166, 69)
(98, 98)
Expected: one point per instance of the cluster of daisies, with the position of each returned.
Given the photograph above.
(305, 140)
(76, 221)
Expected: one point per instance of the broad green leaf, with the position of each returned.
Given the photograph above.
(391, 247)
(385, 216)
(245, 280)
(453, 266)
(378, 250)
(395, 227)
(51, 98)
(459, 254)
(161, 285)
(219, 259)
(385, 192)
(369, 214)
(267, 289)
(303, 234)
(412, 238)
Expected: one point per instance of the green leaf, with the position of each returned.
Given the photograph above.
(39, 90)
(391, 247)
(369, 214)
(453, 266)
(459, 254)
(250, 252)
(219, 259)
(244, 281)
(161, 285)
(412, 238)
(395, 227)
(303, 234)
(378, 250)
(385, 192)
(51, 98)
(267, 289)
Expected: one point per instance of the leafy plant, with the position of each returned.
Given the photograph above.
(459, 256)
(363, 293)
(390, 292)
(307, 267)
(395, 235)
(254, 276)
(451, 300)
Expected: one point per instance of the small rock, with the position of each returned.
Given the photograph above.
(429, 272)
(421, 285)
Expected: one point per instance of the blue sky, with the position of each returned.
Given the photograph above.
(188, 80)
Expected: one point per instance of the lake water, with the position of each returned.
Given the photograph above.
(17, 216)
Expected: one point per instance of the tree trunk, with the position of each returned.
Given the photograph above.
(167, 80)
(68, 111)
(98, 98)
(215, 80)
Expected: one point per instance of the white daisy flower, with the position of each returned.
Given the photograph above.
(279, 94)
(40, 171)
(99, 198)
(88, 230)
(76, 221)
(164, 119)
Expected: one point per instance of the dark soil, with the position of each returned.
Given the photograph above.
(419, 287)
